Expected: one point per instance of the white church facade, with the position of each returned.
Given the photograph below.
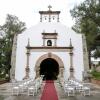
(50, 49)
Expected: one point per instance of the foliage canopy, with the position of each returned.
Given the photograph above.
(11, 27)
(87, 17)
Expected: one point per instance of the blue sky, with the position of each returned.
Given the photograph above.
(27, 10)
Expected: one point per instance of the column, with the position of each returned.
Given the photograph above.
(71, 66)
(13, 58)
(55, 42)
(71, 62)
(49, 18)
(38, 73)
(43, 42)
(40, 17)
(62, 72)
(58, 18)
(27, 69)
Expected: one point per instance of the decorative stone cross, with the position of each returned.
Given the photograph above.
(49, 7)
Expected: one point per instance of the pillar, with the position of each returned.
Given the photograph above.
(37, 70)
(49, 18)
(55, 42)
(61, 72)
(27, 69)
(13, 58)
(71, 62)
(43, 42)
(58, 18)
(41, 18)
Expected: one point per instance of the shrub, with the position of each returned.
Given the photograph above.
(96, 75)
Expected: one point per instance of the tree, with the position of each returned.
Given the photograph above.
(96, 53)
(87, 17)
(11, 27)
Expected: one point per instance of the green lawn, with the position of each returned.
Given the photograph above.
(1, 98)
(96, 75)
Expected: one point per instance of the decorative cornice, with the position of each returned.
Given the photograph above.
(47, 47)
(49, 33)
(49, 12)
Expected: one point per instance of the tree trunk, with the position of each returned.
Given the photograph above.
(89, 56)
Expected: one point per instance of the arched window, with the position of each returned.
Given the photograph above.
(49, 43)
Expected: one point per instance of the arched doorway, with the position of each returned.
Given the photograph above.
(49, 68)
(55, 58)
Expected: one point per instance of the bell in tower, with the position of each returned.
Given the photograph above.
(49, 43)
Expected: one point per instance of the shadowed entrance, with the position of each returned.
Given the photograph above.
(49, 68)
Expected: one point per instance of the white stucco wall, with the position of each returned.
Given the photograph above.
(35, 36)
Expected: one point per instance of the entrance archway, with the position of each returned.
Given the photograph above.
(55, 59)
(49, 68)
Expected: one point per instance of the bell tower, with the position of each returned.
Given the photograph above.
(49, 15)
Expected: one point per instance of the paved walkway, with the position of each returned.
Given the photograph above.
(6, 95)
(95, 94)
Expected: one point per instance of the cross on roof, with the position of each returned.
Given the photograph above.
(49, 7)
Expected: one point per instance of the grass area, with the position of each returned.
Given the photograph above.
(96, 75)
(1, 98)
